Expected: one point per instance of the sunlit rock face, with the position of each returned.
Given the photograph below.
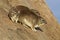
(15, 31)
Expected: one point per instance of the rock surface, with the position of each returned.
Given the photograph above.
(15, 31)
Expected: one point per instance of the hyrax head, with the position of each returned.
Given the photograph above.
(40, 22)
(26, 16)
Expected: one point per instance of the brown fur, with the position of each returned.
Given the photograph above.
(27, 17)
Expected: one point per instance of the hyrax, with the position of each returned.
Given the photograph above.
(26, 16)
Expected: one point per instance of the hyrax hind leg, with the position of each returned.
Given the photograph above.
(31, 27)
(14, 19)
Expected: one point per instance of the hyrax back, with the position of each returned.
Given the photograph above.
(27, 17)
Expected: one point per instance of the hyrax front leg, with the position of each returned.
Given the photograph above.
(33, 28)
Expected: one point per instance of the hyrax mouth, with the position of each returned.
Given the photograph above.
(38, 28)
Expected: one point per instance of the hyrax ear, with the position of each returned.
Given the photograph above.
(35, 12)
